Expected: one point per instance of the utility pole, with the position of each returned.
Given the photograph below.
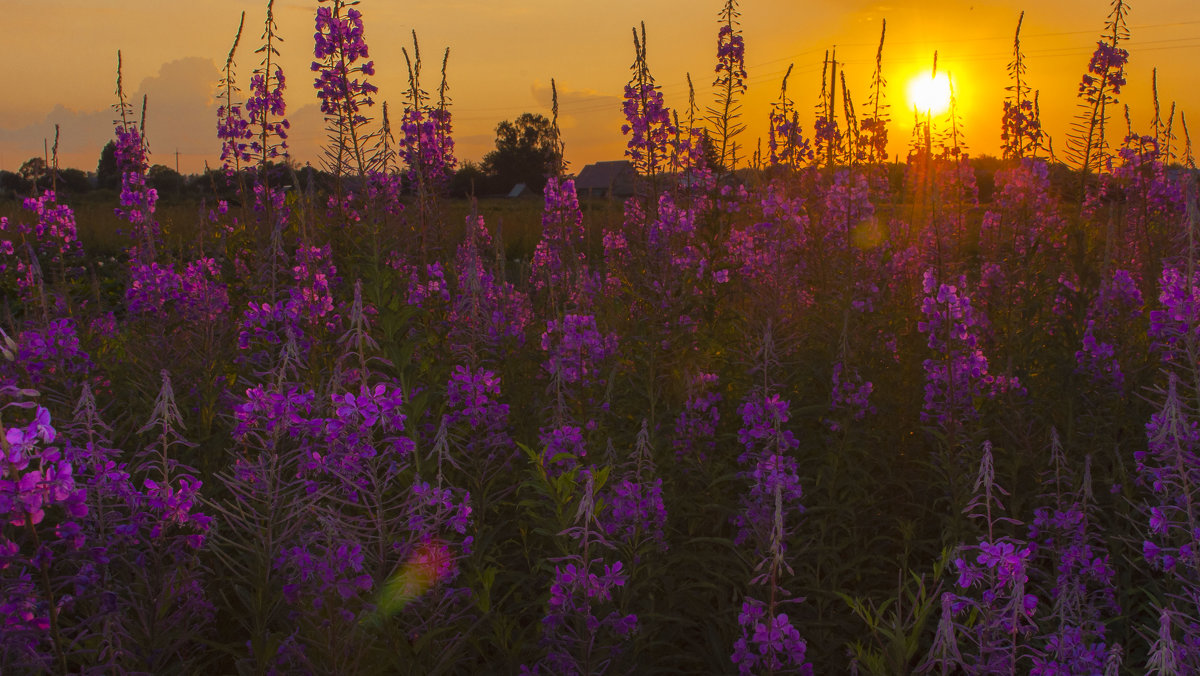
(177, 160)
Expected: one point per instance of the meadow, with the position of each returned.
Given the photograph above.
(803, 409)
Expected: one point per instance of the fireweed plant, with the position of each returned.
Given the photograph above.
(770, 642)
(987, 622)
(348, 425)
(342, 85)
(1080, 583)
(427, 148)
(1166, 466)
(730, 83)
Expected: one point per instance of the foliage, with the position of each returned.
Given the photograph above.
(525, 153)
(728, 424)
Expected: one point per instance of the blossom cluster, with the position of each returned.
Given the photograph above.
(314, 274)
(197, 293)
(768, 516)
(434, 285)
(52, 237)
(265, 103)
(571, 613)
(1168, 468)
(473, 400)
(1024, 219)
(1118, 304)
(339, 45)
(36, 475)
(52, 351)
(648, 126)
(851, 398)
(138, 200)
(234, 131)
(486, 312)
(584, 629)
(960, 372)
(1106, 66)
(1021, 128)
(767, 251)
(696, 424)
(637, 509)
(559, 253)
(1082, 592)
(1178, 321)
(786, 143)
(770, 644)
(731, 54)
(987, 622)
(769, 466)
(575, 348)
(427, 148)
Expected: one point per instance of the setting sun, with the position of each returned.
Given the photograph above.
(929, 95)
(600, 338)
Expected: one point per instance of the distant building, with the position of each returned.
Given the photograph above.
(606, 179)
(520, 190)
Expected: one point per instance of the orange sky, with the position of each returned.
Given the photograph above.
(503, 55)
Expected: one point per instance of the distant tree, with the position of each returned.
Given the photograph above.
(470, 179)
(33, 169)
(314, 179)
(73, 181)
(985, 167)
(525, 153)
(35, 172)
(711, 154)
(165, 180)
(107, 174)
(12, 184)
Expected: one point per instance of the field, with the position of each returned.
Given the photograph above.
(817, 410)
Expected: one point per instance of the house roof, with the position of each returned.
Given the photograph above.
(604, 175)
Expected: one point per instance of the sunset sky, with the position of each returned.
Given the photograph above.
(503, 55)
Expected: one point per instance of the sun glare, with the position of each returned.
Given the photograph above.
(929, 95)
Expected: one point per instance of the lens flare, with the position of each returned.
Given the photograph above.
(930, 95)
(431, 563)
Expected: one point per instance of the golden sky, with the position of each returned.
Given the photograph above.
(503, 55)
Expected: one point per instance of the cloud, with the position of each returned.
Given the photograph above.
(306, 137)
(180, 116)
(590, 122)
(576, 104)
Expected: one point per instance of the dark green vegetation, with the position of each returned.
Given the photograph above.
(830, 412)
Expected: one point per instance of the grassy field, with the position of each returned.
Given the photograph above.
(517, 221)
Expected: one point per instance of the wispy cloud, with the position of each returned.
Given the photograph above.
(576, 104)
(590, 121)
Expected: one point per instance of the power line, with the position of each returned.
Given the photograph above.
(675, 89)
(1007, 38)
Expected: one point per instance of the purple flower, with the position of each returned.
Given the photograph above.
(768, 643)
(648, 125)
(575, 348)
(959, 373)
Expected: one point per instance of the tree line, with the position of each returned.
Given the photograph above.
(524, 153)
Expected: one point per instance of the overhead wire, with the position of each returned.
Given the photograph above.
(611, 103)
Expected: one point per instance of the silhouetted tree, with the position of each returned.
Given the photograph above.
(525, 153)
(165, 180)
(73, 181)
(470, 179)
(36, 172)
(12, 184)
(33, 169)
(107, 174)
